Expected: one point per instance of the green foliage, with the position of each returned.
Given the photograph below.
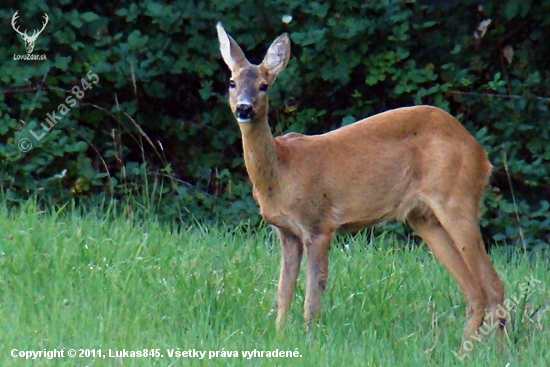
(155, 129)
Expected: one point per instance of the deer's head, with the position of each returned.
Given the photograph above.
(29, 40)
(249, 83)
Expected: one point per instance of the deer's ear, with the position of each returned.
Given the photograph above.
(231, 52)
(278, 55)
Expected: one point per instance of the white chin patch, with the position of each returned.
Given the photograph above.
(242, 120)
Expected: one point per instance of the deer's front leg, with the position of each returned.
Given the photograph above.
(291, 257)
(317, 273)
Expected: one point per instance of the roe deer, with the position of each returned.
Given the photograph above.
(415, 164)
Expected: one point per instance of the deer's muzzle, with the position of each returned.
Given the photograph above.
(244, 112)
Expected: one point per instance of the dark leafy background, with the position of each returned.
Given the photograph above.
(155, 131)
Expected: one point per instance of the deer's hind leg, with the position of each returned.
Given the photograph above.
(438, 239)
(460, 219)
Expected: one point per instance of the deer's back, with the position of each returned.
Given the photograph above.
(413, 135)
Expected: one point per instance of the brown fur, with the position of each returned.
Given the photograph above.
(415, 164)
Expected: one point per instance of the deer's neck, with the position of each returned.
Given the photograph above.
(260, 155)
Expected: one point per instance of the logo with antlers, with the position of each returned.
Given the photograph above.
(29, 40)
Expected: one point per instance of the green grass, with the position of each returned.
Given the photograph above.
(107, 282)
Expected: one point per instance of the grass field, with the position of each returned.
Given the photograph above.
(108, 283)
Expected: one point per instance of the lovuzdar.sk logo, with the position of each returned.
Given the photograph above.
(29, 39)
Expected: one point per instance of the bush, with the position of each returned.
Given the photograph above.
(155, 129)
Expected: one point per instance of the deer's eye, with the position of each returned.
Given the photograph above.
(232, 84)
(263, 87)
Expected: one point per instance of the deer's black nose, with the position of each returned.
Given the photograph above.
(244, 111)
